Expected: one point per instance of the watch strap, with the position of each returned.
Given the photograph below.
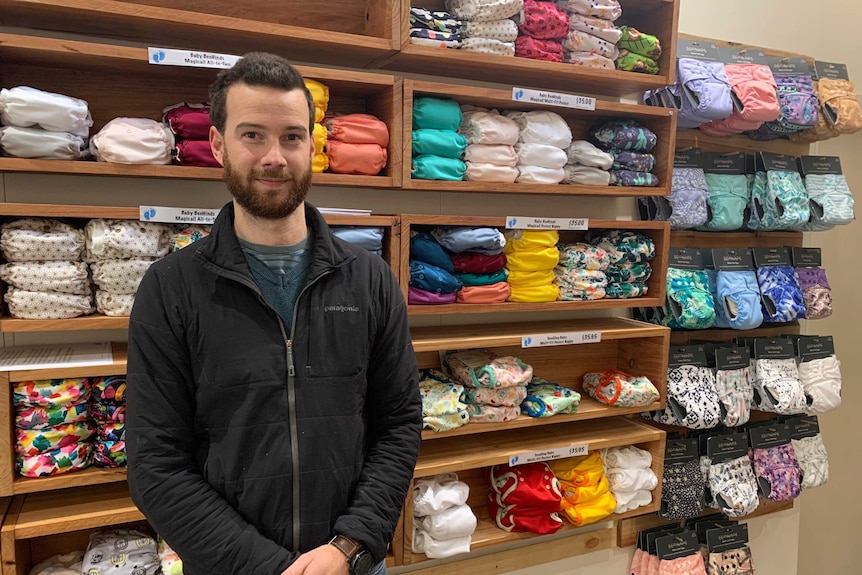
(346, 545)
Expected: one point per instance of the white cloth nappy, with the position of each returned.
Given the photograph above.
(489, 128)
(542, 127)
(133, 141)
(40, 239)
(498, 154)
(542, 155)
(119, 239)
(120, 276)
(24, 107)
(539, 175)
(39, 144)
(63, 277)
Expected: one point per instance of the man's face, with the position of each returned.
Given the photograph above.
(266, 149)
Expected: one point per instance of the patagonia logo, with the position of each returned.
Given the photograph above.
(340, 308)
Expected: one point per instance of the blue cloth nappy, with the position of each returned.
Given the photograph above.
(782, 297)
(432, 279)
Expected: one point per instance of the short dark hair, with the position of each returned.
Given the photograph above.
(256, 69)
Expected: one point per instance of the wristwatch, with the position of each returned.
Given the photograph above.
(359, 560)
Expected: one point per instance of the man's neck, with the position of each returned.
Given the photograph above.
(284, 232)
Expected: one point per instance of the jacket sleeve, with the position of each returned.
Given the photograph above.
(164, 479)
(394, 412)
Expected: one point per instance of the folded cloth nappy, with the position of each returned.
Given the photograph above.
(636, 41)
(30, 442)
(120, 276)
(542, 155)
(584, 256)
(46, 305)
(542, 127)
(821, 383)
(587, 60)
(431, 167)
(779, 466)
(64, 277)
(491, 293)
(782, 298)
(504, 30)
(623, 245)
(436, 114)
(630, 62)
(813, 460)
(457, 239)
(433, 279)
(734, 486)
(816, 294)
(444, 143)
(488, 46)
(67, 458)
(632, 161)
(544, 20)
(24, 107)
(510, 396)
(528, 240)
(614, 387)
(365, 237)
(133, 141)
(120, 239)
(604, 9)
(598, 27)
(434, 494)
(483, 10)
(586, 154)
(497, 154)
(485, 172)
(623, 290)
(39, 144)
(631, 178)
(830, 201)
(629, 272)
(57, 415)
(539, 175)
(577, 41)
(623, 135)
(578, 175)
(483, 279)
(489, 128)
(473, 262)
(424, 248)
(40, 239)
(192, 121)
(483, 368)
(480, 413)
(545, 399)
(536, 49)
(114, 304)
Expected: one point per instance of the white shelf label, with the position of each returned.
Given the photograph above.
(570, 338)
(553, 99)
(178, 215)
(531, 223)
(191, 58)
(549, 454)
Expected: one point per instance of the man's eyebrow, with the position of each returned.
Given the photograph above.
(290, 128)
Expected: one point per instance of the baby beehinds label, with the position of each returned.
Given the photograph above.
(553, 99)
(191, 58)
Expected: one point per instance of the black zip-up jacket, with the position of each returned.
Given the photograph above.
(247, 444)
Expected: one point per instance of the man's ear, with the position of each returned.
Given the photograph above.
(217, 145)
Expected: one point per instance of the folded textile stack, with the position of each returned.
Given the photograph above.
(437, 122)
(630, 144)
(586, 494)
(542, 143)
(367, 238)
(545, 398)
(630, 476)
(108, 413)
(442, 408)
(190, 124)
(51, 426)
(531, 256)
(121, 551)
(580, 275)
(592, 35)
(133, 141)
(356, 144)
(120, 252)
(431, 271)
(45, 275)
(525, 498)
(638, 52)
(320, 96)
(485, 24)
(494, 386)
(630, 254)
(43, 125)
(542, 29)
(587, 165)
(491, 137)
(434, 28)
(443, 523)
(614, 387)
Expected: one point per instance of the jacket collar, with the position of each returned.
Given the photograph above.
(224, 251)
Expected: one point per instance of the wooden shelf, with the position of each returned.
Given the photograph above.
(693, 239)
(438, 338)
(89, 476)
(484, 450)
(89, 168)
(88, 322)
(117, 367)
(70, 510)
(660, 120)
(463, 308)
(682, 337)
(355, 39)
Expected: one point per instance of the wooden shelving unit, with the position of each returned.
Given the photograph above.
(658, 17)
(355, 35)
(660, 120)
(658, 231)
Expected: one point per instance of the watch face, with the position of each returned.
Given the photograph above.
(362, 563)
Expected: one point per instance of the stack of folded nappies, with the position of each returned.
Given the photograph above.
(51, 426)
(541, 31)
(586, 495)
(120, 252)
(121, 551)
(638, 52)
(366, 237)
(439, 143)
(443, 523)
(491, 138)
(531, 256)
(434, 28)
(630, 476)
(442, 408)
(587, 165)
(525, 498)
(133, 141)
(443, 117)
(592, 35)
(356, 144)
(43, 125)
(630, 254)
(431, 271)
(45, 275)
(190, 124)
(494, 386)
(108, 413)
(486, 27)
(189, 235)
(545, 398)
(320, 96)
(630, 145)
(477, 249)
(580, 274)
(542, 143)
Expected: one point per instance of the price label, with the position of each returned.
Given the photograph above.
(191, 58)
(549, 454)
(177, 215)
(570, 338)
(532, 223)
(553, 99)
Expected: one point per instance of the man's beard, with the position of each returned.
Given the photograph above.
(272, 205)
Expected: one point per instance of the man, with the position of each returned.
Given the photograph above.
(273, 407)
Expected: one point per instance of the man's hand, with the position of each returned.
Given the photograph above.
(323, 560)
